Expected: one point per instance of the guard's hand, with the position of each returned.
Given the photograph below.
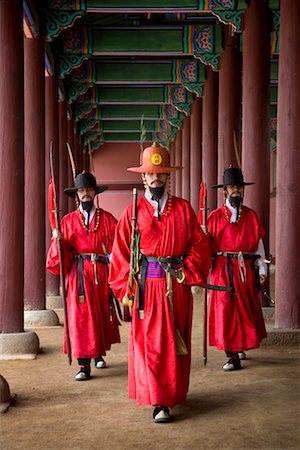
(262, 279)
(57, 234)
(180, 277)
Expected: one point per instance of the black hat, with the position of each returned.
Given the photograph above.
(85, 180)
(233, 176)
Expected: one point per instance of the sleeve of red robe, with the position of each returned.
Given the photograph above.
(52, 262)
(197, 257)
(119, 267)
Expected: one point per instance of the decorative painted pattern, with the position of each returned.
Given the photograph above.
(73, 5)
(90, 96)
(175, 94)
(77, 89)
(69, 62)
(183, 70)
(275, 43)
(58, 20)
(200, 41)
(78, 41)
(82, 110)
(84, 73)
(230, 18)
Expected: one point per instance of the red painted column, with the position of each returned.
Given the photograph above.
(63, 162)
(229, 104)
(196, 152)
(186, 159)
(210, 137)
(70, 138)
(287, 280)
(34, 136)
(173, 174)
(178, 163)
(51, 117)
(11, 167)
(76, 147)
(256, 115)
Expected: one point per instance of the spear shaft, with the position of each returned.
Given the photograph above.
(60, 257)
(205, 289)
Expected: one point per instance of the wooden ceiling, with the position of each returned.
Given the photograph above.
(130, 69)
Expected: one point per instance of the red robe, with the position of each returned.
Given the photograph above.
(156, 376)
(90, 328)
(235, 321)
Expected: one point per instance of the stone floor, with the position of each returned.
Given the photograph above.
(255, 408)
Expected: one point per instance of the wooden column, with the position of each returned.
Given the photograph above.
(256, 115)
(196, 152)
(178, 162)
(173, 174)
(229, 104)
(210, 136)
(63, 162)
(287, 281)
(34, 134)
(70, 137)
(52, 135)
(77, 147)
(186, 159)
(11, 167)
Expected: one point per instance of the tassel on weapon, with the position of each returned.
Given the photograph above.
(129, 296)
(59, 246)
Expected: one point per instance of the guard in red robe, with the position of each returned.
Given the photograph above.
(235, 319)
(174, 255)
(87, 236)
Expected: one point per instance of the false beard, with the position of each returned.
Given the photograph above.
(87, 206)
(157, 192)
(235, 201)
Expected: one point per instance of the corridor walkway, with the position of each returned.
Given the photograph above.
(256, 408)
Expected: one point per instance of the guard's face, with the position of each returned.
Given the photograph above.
(86, 194)
(155, 180)
(235, 191)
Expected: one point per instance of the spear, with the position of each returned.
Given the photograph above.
(60, 257)
(202, 218)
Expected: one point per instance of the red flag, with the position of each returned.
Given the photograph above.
(51, 207)
(201, 210)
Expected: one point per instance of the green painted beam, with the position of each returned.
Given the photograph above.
(273, 94)
(129, 137)
(127, 125)
(130, 95)
(104, 95)
(129, 112)
(274, 70)
(173, 71)
(140, 4)
(138, 41)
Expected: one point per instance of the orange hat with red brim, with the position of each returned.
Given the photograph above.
(155, 159)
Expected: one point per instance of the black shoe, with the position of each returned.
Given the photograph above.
(100, 363)
(83, 374)
(232, 364)
(161, 414)
(242, 355)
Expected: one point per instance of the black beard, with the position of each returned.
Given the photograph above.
(235, 201)
(157, 192)
(87, 206)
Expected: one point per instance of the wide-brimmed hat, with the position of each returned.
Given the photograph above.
(85, 180)
(233, 176)
(155, 159)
